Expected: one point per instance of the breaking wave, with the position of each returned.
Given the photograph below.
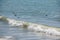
(7, 38)
(32, 26)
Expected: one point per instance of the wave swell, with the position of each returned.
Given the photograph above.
(32, 26)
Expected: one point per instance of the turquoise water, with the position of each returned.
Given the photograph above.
(38, 11)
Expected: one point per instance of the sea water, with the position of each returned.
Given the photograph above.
(37, 11)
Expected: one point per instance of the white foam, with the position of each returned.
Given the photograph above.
(34, 27)
(7, 38)
(38, 28)
(52, 31)
(14, 22)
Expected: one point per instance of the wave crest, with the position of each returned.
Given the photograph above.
(32, 26)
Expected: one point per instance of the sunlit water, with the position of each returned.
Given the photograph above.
(38, 11)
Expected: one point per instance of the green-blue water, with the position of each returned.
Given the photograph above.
(38, 11)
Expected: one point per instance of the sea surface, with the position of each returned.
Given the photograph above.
(45, 12)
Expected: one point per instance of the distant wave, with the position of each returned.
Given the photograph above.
(32, 26)
(6, 38)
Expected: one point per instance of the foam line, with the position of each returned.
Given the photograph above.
(33, 26)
